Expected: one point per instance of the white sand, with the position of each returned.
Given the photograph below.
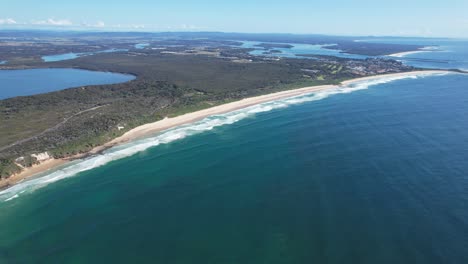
(406, 53)
(168, 123)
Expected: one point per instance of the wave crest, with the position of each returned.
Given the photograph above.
(165, 137)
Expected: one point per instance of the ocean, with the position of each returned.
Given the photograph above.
(373, 173)
(446, 53)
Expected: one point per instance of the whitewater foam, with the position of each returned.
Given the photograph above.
(165, 137)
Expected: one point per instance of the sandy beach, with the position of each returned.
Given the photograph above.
(406, 53)
(168, 123)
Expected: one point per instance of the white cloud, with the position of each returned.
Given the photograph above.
(137, 26)
(182, 27)
(95, 25)
(189, 27)
(99, 24)
(53, 22)
(7, 21)
(131, 26)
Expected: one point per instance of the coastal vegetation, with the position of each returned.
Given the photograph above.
(171, 80)
(274, 45)
(24, 47)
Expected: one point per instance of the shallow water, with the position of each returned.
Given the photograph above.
(36, 81)
(371, 174)
(299, 49)
(72, 55)
(447, 53)
(181, 132)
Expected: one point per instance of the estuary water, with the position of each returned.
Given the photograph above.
(73, 55)
(297, 50)
(441, 53)
(444, 53)
(371, 173)
(36, 81)
(141, 45)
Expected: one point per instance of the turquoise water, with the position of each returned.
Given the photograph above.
(3, 62)
(72, 55)
(371, 173)
(374, 173)
(36, 81)
(448, 53)
(141, 45)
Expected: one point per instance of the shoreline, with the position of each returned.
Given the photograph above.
(403, 54)
(168, 123)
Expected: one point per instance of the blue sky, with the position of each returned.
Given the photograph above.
(428, 18)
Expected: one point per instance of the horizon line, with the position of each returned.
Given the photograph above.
(96, 30)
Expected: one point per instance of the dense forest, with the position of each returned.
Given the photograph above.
(170, 81)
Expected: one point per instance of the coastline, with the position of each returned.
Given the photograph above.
(168, 123)
(403, 54)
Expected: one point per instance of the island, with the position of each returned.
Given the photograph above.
(269, 46)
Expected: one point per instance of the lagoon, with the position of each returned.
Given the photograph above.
(298, 50)
(375, 174)
(444, 53)
(36, 81)
(72, 55)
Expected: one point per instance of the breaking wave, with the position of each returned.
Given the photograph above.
(208, 123)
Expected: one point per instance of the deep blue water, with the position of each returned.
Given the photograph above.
(72, 55)
(36, 81)
(375, 175)
(449, 53)
(372, 173)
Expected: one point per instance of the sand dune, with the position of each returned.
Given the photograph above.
(169, 123)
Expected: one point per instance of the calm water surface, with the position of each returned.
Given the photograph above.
(72, 55)
(36, 81)
(448, 53)
(299, 49)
